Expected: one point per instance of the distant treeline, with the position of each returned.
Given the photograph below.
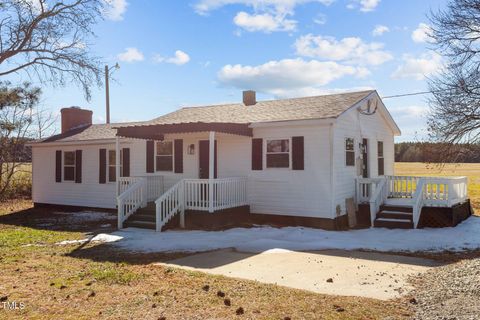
(436, 152)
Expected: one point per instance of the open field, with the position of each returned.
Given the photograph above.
(21, 185)
(470, 170)
(96, 281)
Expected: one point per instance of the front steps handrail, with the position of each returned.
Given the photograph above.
(378, 197)
(169, 204)
(418, 201)
(131, 200)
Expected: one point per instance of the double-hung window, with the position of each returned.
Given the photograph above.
(69, 166)
(349, 152)
(112, 164)
(381, 159)
(164, 156)
(278, 153)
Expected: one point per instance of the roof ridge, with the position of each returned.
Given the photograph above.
(284, 99)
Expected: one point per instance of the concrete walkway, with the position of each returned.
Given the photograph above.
(347, 273)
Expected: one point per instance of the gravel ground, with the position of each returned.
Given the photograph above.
(449, 292)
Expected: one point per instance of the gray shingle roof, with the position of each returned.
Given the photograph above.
(318, 107)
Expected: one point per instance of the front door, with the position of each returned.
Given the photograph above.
(203, 154)
(365, 158)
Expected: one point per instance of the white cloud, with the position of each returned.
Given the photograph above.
(364, 5)
(115, 9)
(320, 19)
(263, 22)
(130, 55)
(418, 68)
(314, 91)
(268, 15)
(288, 76)
(205, 6)
(422, 33)
(180, 58)
(352, 50)
(380, 30)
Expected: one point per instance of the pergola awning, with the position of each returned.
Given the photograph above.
(158, 131)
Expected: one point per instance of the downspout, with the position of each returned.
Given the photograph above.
(332, 169)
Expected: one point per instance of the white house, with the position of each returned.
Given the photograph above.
(304, 161)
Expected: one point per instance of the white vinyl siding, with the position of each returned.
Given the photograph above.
(351, 124)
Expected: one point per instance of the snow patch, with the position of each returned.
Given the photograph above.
(84, 216)
(261, 239)
(102, 237)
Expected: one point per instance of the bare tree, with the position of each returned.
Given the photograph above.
(48, 40)
(454, 117)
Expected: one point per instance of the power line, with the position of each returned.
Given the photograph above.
(407, 94)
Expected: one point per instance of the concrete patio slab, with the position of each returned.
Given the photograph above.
(346, 273)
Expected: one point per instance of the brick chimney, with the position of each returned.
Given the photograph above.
(75, 117)
(249, 98)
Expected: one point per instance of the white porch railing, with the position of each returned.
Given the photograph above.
(227, 193)
(169, 204)
(195, 194)
(401, 186)
(155, 185)
(418, 202)
(378, 198)
(365, 188)
(130, 200)
(421, 191)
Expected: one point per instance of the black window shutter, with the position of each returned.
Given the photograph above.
(178, 147)
(298, 153)
(150, 156)
(102, 165)
(78, 166)
(126, 162)
(257, 154)
(58, 166)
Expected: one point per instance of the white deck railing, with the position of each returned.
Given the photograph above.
(401, 186)
(202, 195)
(155, 185)
(418, 202)
(378, 198)
(419, 191)
(226, 193)
(130, 200)
(365, 187)
(169, 204)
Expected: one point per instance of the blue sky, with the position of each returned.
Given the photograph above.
(183, 53)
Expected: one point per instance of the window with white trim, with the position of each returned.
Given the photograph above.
(349, 152)
(164, 156)
(69, 166)
(112, 164)
(278, 153)
(381, 159)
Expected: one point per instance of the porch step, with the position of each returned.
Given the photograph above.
(137, 216)
(394, 217)
(393, 223)
(387, 214)
(397, 208)
(139, 224)
(142, 218)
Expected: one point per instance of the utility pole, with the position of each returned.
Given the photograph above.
(107, 89)
(107, 94)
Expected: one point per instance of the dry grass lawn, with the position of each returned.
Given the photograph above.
(470, 170)
(98, 282)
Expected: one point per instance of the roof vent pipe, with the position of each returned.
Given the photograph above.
(249, 98)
